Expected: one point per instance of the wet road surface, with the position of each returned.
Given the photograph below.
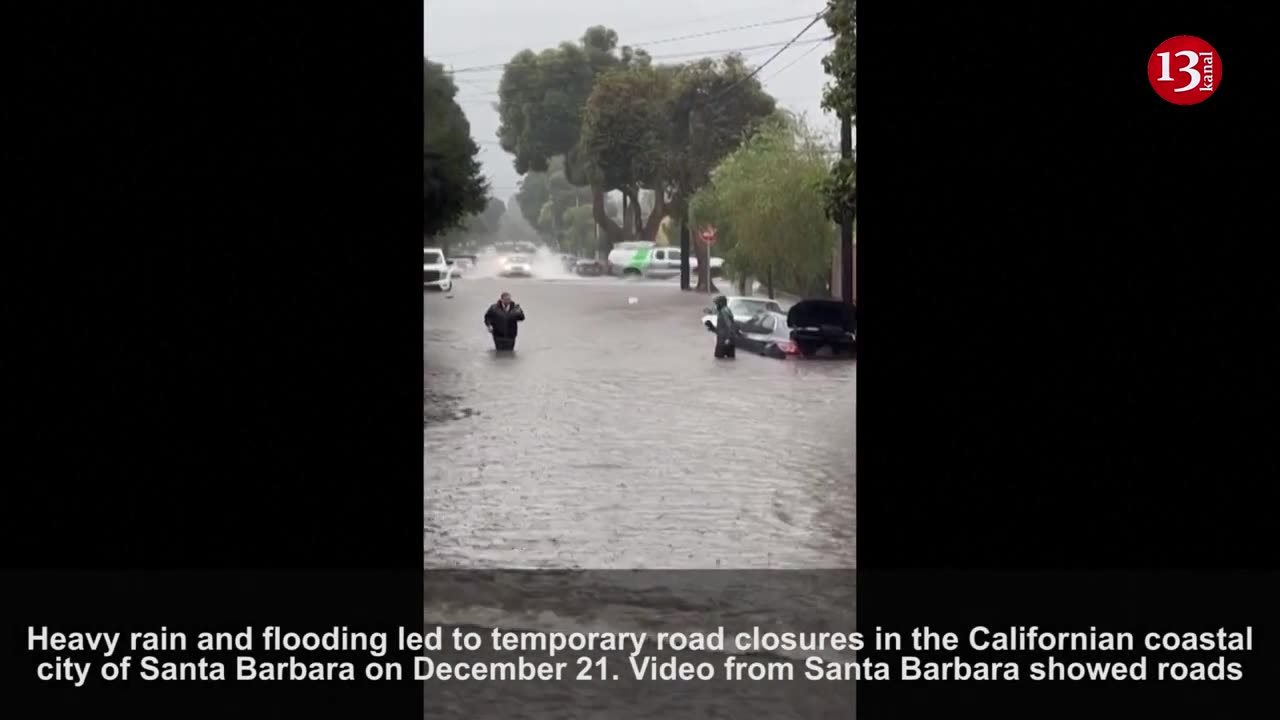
(611, 438)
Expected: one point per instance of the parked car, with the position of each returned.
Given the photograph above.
(588, 268)
(516, 266)
(461, 264)
(568, 262)
(766, 333)
(436, 273)
(824, 324)
(811, 328)
(743, 309)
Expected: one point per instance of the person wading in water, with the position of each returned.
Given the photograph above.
(502, 320)
(726, 329)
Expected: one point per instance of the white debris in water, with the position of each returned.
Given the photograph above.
(633, 300)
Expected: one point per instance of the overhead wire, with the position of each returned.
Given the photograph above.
(765, 64)
(693, 55)
(683, 22)
(492, 67)
(797, 59)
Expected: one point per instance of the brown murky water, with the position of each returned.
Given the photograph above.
(612, 438)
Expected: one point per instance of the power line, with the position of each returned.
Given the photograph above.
(502, 66)
(694, 55)
(765, 64)
(798, 58)
(766, 23)
(686, 22)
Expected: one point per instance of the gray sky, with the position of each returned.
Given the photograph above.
(464, 34)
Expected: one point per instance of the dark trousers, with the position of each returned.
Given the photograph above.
(724, 348)
(504, 343)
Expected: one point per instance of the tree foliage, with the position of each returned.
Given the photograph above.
(474, 229)
(625, 142)
(545, 197)
(840, 189)
(541, 96)
(620, 123)
(840, 95)
(453, 186)
(766, 204)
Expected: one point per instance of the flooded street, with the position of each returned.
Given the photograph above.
(611, 438)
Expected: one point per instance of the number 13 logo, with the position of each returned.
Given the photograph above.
(1184, 70)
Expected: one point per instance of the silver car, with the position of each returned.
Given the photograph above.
(743, 309)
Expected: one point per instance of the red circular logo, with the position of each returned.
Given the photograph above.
(1185, 70)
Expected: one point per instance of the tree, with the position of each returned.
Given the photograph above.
(625, 145)
(541, 96)
(767, 207)
(544, 197)
(716, 104)
(492, 216)
(579, 231)
(473, 229)
(840, 189)
(541, 101)
(621, 124)
(453, 187)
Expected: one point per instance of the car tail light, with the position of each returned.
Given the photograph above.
(788, 347)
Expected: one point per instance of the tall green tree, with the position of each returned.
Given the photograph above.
(453, 186)
(541, 96)
(716, 105)
(626, 146)
(544, 197)
(663, 129)
(623, 125)
(840, 189)
(766, 203)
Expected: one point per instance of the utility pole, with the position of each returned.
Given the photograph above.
(846, 219)
(684, 214)
(684, 246)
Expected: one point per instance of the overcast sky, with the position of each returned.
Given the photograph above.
(462, 34)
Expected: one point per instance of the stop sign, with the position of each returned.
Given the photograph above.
(708, 235)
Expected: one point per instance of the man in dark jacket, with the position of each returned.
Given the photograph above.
(726, 329)
(501, 320)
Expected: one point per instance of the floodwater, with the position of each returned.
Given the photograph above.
(611, 438)
(642, 486)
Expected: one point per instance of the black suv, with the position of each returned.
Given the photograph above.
(818, 324)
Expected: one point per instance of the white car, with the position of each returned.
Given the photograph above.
(436, 273)
(515, 266)
(743, 309)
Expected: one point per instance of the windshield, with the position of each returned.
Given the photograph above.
(432, 258)
(517, 259)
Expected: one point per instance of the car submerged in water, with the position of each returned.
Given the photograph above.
(743, 309)
(810, 329)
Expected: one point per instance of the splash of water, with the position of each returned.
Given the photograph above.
(545, 264)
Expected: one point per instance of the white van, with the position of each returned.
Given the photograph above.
(651, 260)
